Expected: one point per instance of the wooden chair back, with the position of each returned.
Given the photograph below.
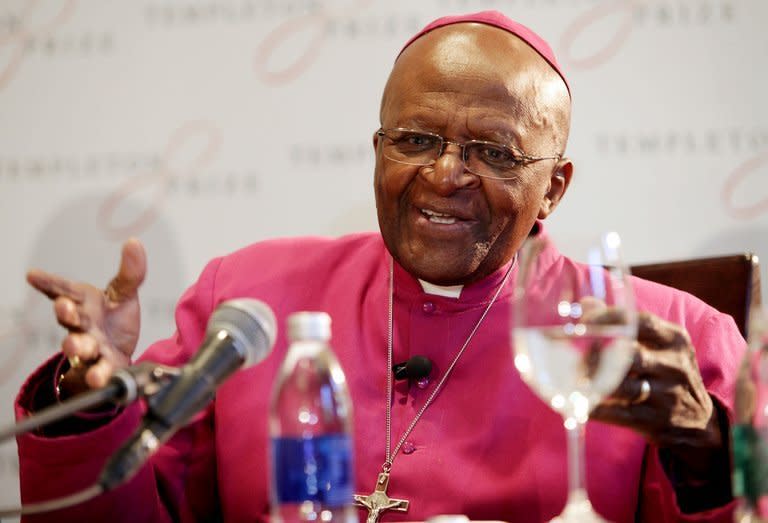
(731, 284)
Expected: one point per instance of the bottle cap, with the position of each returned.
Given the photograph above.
(309, 325)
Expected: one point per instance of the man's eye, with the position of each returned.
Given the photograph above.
(415, 142)
(497, 155)
(420, 140)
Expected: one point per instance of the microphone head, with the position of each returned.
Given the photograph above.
(415, 368)
(419, 367)
(248, 321)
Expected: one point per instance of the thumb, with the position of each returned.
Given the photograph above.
(130, 275)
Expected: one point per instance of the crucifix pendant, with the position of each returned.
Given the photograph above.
(378, 501)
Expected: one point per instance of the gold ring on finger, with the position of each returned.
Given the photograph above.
(645, 392)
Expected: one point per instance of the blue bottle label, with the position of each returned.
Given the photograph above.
(317, 468)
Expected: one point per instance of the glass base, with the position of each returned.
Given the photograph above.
(748, 516)
(578, 510)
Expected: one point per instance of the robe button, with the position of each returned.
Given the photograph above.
(408, 448)
(428, 307)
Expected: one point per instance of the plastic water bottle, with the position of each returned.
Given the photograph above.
(311, 429)
(750, 430)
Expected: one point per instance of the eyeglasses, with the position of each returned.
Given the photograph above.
(481, 158)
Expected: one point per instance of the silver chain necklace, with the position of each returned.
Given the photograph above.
(378, 501)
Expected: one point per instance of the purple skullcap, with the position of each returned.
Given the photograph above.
(497, 19)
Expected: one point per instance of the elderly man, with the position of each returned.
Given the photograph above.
(484, 102)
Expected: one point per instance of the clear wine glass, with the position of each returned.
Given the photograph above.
(574, 328)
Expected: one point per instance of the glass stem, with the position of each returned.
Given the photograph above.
(577, 486)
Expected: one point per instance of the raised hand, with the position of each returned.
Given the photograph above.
(675, 409)
(664, 398)
(103, 324)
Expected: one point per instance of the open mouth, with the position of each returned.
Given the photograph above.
(438, 217)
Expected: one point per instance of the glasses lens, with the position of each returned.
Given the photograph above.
(411, 147)
(488, 159)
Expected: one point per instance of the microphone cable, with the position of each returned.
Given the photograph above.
(53, 504)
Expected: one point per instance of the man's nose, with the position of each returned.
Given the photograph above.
(448, 173)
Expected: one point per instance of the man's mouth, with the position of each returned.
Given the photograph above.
(439, 217)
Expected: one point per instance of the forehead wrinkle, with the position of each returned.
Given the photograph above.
(429, 107)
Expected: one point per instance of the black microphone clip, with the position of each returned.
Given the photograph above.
(415, 368)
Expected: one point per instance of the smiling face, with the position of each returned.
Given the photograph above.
(469, 81)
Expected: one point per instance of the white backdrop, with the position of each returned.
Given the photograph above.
(200, 126)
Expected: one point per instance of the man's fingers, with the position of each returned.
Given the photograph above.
(103, 325)
(99, 373)
(605, 316)
(660, 334)
(590, 304)
(80, 346)
(629, 391)
(596, 311)
(54, 286)
(133, 269)
(68, 316)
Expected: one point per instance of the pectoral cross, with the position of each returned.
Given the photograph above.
(378, 501)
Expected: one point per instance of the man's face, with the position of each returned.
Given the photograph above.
(463, 82)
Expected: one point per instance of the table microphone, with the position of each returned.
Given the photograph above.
(240, 333)
(414, 369)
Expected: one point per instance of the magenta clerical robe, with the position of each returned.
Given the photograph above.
(488, 447)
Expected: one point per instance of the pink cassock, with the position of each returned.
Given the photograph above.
(488, 447)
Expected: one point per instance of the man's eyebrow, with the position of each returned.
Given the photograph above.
(489, 128)
(418, 121)
(495, 130)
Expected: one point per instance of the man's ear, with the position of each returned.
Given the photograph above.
(559, 181)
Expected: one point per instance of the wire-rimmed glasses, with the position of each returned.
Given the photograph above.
(480, 157)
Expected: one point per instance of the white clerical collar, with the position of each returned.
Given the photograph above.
(451, 291)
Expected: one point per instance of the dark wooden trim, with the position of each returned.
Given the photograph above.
(730, 283)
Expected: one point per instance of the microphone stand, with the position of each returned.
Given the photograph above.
(126, 386)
